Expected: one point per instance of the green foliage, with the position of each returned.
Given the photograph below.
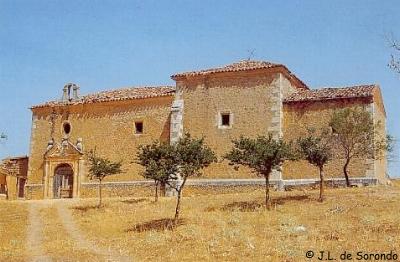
(193, 155)
(353, 130)
(102, 167)
(159, 161)
(163, 162)
(261, 154)
(355, 135)
(316, 149)
(166, 163)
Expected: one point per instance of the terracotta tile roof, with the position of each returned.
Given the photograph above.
(238, 66)
(331, 93)
(244, 65)
(115, 95)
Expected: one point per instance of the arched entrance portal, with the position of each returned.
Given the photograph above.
(63, 181)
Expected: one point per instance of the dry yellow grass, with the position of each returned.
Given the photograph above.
(57, 243)
(235, 227)
(13, 225)
(222, 227)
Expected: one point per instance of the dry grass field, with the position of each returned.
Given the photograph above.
(13, 228)
(224, 227)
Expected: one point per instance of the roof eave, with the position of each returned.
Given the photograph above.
(61, 104)
(325, 99)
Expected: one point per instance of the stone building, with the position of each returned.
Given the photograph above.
(245, 98)
(13, 175)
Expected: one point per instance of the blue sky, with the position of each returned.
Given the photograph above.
(110, 44)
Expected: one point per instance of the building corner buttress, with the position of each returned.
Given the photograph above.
(370, 165)
(176, 120)
(275, 127)
(176, 132)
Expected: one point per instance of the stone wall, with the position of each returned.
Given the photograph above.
(380, 164)
(33, 191)
(300, 116)
(253, 100)
(12, 170)
(107, 127)
(119, 189)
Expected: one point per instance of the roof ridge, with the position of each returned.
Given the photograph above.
(242, 65)
(232, 66)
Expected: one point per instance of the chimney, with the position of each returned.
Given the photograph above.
(75, 89)
(65, 96)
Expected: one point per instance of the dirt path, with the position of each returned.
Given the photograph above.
(73, 230)
(36, 238)
(35, 233)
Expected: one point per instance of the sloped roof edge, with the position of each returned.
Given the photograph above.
(121, 94)
(244, 65)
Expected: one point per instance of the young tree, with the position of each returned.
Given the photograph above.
(261, 154)
(192, 156)
(100, 168)
(354, 134)
(317, 150)
(160, 163)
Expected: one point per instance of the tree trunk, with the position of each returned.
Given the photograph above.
(162, 189)
(321, 184)
(178, 202)
(346, 175)
(100, 192)
(178, 206)
(156, 195)
(267, 200)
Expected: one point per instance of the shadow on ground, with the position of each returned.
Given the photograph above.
(252, 206)
(282, 200)
(86, 208)
(157, 225)
(134, 200)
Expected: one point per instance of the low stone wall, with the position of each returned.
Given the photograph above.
(119, 189)
(200, 190)
(211, 186)
(196, 187)
(33, 191)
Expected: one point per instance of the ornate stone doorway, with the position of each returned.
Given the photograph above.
(63, 181)
(63, 169)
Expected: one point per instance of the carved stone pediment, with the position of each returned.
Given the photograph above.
(4, 171)
(65, 149)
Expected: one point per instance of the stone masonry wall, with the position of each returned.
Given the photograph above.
(253, 100)
(299, 116)
(380, 165)
(107, 127)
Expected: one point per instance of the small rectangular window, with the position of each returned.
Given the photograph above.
(225, 119)
(138, 127)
